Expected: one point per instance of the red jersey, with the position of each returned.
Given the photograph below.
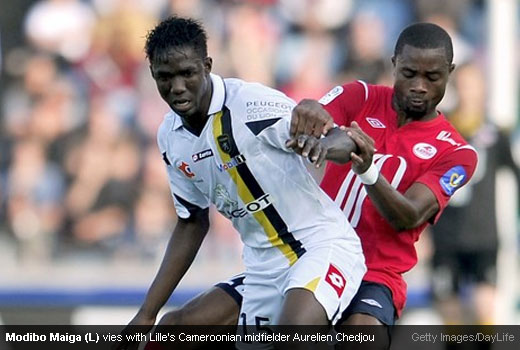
(431, 152)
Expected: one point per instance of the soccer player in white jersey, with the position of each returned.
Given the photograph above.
(224, 143)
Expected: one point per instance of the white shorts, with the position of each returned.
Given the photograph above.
(333, 272)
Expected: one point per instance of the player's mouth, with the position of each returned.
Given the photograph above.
(182, 105)
(417, 102)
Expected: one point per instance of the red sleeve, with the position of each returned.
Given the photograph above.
(449, 174)
(345, 102)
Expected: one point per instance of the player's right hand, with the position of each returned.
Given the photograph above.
(141, 323)
(362, 159)
(310, 118)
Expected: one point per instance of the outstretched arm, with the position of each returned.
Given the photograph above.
(182, 248)
(337, 147)
(403, 211)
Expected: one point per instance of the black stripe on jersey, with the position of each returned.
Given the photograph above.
(232, 292)
(192, 208)
(258, 126)
(257, 192)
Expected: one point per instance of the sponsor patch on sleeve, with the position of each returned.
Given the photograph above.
(453, 179)
(331, 95)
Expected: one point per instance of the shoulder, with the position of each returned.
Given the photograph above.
(165, 127)
(255, 100)
(356, 91)
(456, 145)
(239, 90)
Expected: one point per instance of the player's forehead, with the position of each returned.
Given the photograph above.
(415, 57)
(178, 58)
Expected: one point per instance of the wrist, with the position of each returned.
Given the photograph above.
(370, 176)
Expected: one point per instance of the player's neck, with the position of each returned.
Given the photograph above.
(197, 122)
(403, 118)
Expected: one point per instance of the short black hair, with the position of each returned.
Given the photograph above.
(176, 32)
(425, 36)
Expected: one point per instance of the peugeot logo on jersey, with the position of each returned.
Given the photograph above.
(224, 143)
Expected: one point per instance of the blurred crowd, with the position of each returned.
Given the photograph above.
(80, 172)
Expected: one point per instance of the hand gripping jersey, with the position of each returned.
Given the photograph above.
(432, 153)
(240, 163)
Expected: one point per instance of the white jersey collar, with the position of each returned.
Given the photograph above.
(217, 99)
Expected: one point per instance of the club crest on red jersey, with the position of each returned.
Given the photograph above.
(335, 279)
(424, 150)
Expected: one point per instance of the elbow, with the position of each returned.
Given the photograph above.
(405, 223)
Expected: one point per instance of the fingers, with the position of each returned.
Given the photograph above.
(310, 118)
(295, 119)
(308, 147)
(328, 125)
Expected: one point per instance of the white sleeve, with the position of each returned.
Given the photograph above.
(187, 197)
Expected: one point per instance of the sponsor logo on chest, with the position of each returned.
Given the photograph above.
(235, 161)
(202, 155)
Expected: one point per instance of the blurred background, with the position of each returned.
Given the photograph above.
(85, 209)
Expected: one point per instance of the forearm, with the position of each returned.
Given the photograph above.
(402, 211)
(339, 146)
(180, 252)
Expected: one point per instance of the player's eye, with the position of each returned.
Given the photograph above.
(188, 73)
(407, 73)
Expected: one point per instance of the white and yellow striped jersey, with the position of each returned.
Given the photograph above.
(240, 163)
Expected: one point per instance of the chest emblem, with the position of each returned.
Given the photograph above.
(375, 123)
(424, 150)
(224, 143)
(185, 168)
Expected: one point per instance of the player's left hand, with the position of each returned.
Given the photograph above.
(310, 118)
(361, 160)
(308, 147)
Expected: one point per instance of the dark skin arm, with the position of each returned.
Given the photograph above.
(182, 248)
(337, 147)
(403, 211)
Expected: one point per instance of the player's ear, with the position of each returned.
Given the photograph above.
(393, 61)
(208, 64)
(151, 71)
(452, 67)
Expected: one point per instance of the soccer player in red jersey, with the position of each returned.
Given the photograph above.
(408, 162)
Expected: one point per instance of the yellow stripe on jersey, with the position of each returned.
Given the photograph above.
(312, 285)
(245, 194)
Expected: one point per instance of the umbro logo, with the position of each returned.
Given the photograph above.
(372, 302)
(375, 123)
